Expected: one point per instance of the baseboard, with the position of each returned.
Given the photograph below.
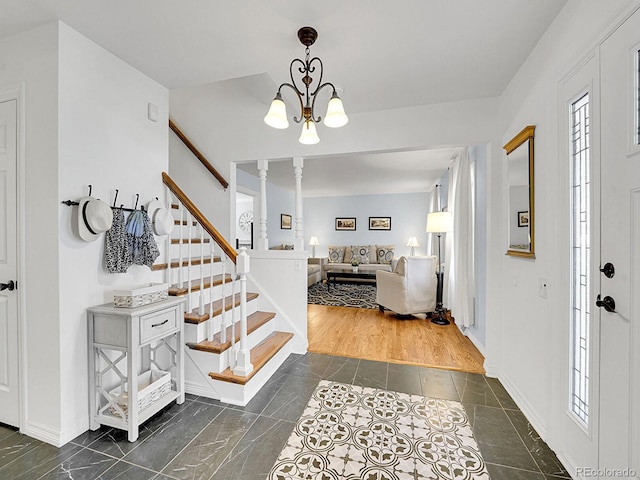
(52, 436)
(526, 408)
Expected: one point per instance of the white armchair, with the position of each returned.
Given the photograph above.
(411, 288)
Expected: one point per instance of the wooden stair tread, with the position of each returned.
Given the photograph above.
(185, 263)
(194, 317)
(176, 291)
(254, 321)
(260, 355)
(184, 222)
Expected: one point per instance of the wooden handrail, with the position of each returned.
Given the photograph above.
(201, 219)
(198, 155)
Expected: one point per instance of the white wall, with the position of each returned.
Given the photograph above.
(105, 140)
(85, 124)
(524, 334)
(408, 212)
(32, 58)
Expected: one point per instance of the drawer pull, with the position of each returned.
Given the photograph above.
(158, 324)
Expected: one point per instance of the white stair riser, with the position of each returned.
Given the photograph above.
(197, 333)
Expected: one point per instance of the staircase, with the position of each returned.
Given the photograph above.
(232, 348)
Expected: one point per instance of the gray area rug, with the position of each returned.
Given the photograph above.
(343, 295)
(350, 432)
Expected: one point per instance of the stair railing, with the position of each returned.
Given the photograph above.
(239, 359)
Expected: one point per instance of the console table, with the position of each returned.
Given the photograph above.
(128, 346)
(348, 276)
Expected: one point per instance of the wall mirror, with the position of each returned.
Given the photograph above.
(520, 195)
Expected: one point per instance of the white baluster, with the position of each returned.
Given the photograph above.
(180, 269)
(210, 322)
(232, 350)
(168, 242)
(189, 222)
(243, 366)
(201, 296)
(223, 317)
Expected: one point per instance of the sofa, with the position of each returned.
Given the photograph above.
(370, 257)
(314, 270)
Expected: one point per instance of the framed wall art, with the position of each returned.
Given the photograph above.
(523, 219)
(285, 221)
(345, 223)
(379, 223)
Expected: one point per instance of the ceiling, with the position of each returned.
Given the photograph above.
(384, 55)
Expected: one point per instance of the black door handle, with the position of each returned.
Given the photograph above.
(607, 302)
(8, 286)
(609, 270)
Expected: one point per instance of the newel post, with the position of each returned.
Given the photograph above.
(243, 366)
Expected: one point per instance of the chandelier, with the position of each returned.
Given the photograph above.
(277, 115)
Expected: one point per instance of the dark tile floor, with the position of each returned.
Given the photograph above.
(205, 439)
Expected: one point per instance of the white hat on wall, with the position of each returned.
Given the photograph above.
(162, 222)
(94, 217)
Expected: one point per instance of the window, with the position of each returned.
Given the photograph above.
(580, 258)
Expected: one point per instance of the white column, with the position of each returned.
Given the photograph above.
(243, 366)
(263, 241)
(297, 169)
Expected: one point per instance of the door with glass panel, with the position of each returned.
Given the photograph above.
(619, 302)
(601, 103)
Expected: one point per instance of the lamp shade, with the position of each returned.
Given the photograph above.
(277, 115)
(413, 242)
(309, 136)
(335, 116)
(439, 222)
(314, 242)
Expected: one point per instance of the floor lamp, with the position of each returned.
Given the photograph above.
(439, 223)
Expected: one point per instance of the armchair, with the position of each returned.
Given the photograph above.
(411, 288)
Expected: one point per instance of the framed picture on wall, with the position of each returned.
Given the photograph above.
(348, 223)
(285, 221)
(523, 219)
(379, 223)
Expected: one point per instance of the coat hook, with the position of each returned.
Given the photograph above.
(137, 198)
(90, 188)
(115, 198)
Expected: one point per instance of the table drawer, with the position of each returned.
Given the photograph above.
(157, 324)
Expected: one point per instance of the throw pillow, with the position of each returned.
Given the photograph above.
(385, 254)
(348, 254)
(336, 254)
(361, 253)
(288, 246)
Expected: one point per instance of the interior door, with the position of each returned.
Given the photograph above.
(619, 439)
(9, 378)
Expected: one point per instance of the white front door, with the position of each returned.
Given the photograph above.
(619, 438)
(9, 377)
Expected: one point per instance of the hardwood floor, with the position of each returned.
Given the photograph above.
(374, 335)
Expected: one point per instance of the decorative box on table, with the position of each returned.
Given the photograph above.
(140, 295)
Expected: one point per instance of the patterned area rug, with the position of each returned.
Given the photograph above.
(343, 295)
(353, 433)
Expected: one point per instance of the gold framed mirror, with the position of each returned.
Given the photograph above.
(520, 185)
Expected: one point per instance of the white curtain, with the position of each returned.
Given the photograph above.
(460, 261)
(431, 247)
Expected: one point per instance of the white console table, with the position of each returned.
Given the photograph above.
(123, 344)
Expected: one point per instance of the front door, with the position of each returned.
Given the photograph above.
(9, 377)
(619, 438)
